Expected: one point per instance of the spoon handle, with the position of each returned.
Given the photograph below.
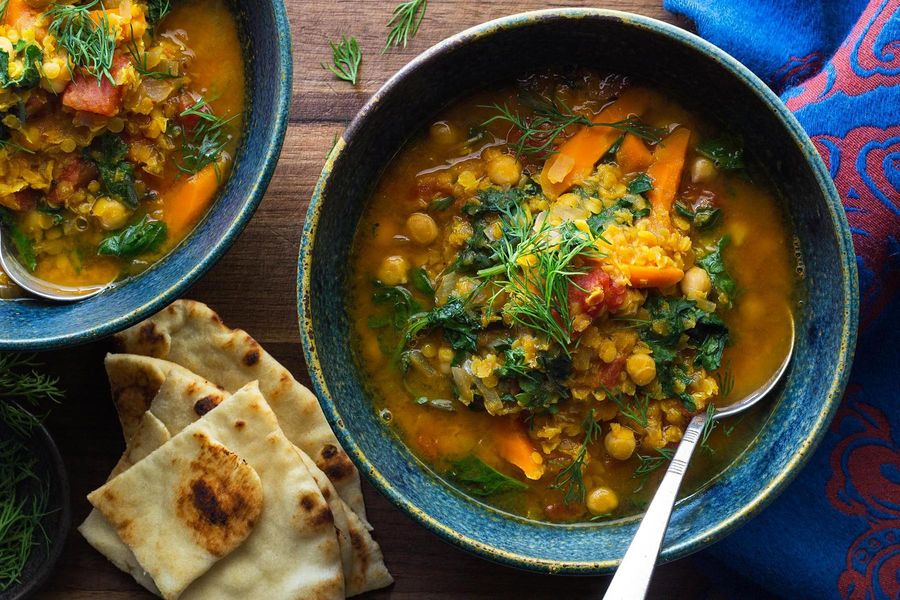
(632, 578)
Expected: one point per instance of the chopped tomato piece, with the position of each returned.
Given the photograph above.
(21, 201)
(592, 292)
(85, 93)
(75, 173)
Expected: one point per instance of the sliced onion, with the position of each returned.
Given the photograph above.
(463, 380)
(418, 361)
(446, 286)
(492, 402)
(157, 89)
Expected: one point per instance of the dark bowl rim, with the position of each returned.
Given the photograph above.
(257, 189)
(839, 225)
(56, 468)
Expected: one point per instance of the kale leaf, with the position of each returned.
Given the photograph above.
(727, 152)
(399, 305)
(634, 204)
(140, 238)
(108, 152)
(715, 266)
(32, 56)
(480, 479)
(460, 325)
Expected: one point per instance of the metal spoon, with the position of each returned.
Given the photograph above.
(632, 578)
(34, 285)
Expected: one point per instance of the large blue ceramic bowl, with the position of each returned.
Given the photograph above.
(705, 79)
(266, 39)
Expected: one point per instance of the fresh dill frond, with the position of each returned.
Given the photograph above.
(571, 478)
(552, 117)
(726, 382)
(21, 380)
(636, 410)
(24, 497)
(648, 463)
(139, 61)
(534, 269)
(405, 22)
(708, 427)
(346, 58)
(89, 45)
(203, 144)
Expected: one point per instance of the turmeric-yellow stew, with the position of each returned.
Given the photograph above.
(118, 124)
(552, 280)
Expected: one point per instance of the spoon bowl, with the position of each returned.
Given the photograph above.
(36, 286)
(632, 578)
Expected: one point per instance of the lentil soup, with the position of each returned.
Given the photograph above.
(553, 278)
(119, 120)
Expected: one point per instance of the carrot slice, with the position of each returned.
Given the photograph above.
(185, 201)
(633, 154)
(20, 15)
(654, 277)
(575, 159)
(668, 163)
(515, 447)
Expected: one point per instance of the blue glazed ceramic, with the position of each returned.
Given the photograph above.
(266, 37)
(704, 78)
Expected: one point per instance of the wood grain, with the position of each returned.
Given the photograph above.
(253, 287)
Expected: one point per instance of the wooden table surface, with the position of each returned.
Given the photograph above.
(86, 428)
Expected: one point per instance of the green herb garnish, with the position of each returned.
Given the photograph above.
(439, 204)
(22, 243)
(641, 184)
(571, 478)
(636, 205)
(481, 479)
(399, 305)
(404, 23)
(726, 152)
(345, 58)
(715, 266)
(108, 152)
(139, 61)
(32, 57)
(203, 144)
(460, 326)
(89, 45)
(636, 410)
(142, 237)
(647, 464)
(705, 217)
(419, 279)
(552, 117)
(157, 11)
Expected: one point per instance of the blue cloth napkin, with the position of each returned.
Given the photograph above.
(835, 532)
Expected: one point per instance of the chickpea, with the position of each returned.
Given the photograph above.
(696, 283)
(394, 270)
(602, 500)
(641, 368)
(504, 170)
(619, 442)
(111, 214)
(444, 133)
(422, 228)
(703, 170)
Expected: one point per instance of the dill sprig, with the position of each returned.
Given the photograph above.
(552, 117)
(139, 61)
(89, 45)
(648, 463)
(726, 386)
(23, 504)
(203, 144)
(571, 478)
(157, 10)
(346, 58)
(708, 427)
(636, 410)
(21, 380)
(534, 270)
(405, 22)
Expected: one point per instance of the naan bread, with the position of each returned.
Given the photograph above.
(135, 380)
(292, 552)
(191, 334)
(182, 508)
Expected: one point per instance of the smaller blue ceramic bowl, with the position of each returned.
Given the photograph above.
(705, 79)
(266, 39)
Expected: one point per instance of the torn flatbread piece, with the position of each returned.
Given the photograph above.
(183, 508)
(191, 334)
(292, 552)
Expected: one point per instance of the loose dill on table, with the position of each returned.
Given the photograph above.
(89, 44)
(553, 117)
(24, 495)
(404, 23)
(571, 478)
(345, 59)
